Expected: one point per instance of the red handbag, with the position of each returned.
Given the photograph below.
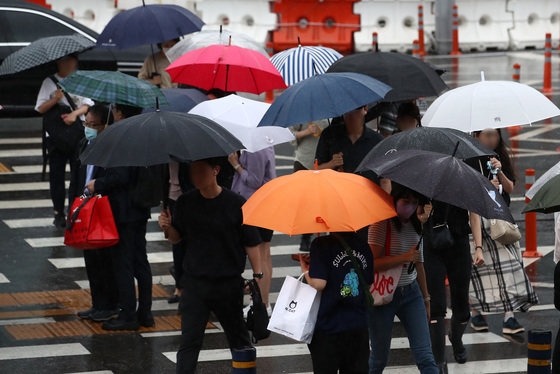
(91, 224)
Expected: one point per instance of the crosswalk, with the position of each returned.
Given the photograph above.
(30, 223)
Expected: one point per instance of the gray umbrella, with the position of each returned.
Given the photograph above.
(43, 51)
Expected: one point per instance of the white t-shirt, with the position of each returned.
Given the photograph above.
(48, 89)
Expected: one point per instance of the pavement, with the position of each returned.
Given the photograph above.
(43, 283)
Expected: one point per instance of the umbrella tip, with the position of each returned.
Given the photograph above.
(316, 165)
(298, 41)
(220, 29)
(482, 76)
(157, 103)
(229, 40)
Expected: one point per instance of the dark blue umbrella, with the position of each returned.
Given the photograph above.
(180, 100)
(323, 96)
(148, 24)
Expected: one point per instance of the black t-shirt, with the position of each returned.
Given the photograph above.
(457, 218)
(213, 234)
(334, 139)
(343, 305)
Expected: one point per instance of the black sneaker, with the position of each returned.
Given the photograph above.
(103, 315)
(86, 314)
(511, 326)
(59, 220)
(478, 323)
(120, 324)
(146, 319)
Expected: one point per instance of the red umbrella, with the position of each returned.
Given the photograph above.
(227, 67)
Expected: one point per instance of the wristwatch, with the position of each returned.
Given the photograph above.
(258, 275)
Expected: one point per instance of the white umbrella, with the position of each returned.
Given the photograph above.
(241, 116)
(489, 105)
(550, 173)
(207, 38)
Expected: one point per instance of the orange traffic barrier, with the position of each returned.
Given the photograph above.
(516, 73)
(530, 221)
(416, 49)
(547, 80)
(421, 46)
(455, 46)
(374, 45)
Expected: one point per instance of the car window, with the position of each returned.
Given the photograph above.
(25, 27)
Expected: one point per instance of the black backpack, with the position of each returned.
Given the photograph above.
(257, 318)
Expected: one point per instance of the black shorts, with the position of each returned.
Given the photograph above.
(266, 234)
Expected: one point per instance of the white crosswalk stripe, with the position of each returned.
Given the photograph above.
(42, 351)
(4, 279)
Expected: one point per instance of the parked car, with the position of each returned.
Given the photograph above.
(20, 24)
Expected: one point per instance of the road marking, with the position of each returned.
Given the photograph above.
(19, 204)
(25, 321)
(41, 351)
(544, 250)
(21, 141)
(27, 186)
(483, 367)
(4, 279)
(542, 285)
(94, 372)
(9, 153)
(297, 349)
(46, 222)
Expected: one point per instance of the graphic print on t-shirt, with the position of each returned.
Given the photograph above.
(350, 284)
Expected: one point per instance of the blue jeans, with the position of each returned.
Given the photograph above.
(408, 305)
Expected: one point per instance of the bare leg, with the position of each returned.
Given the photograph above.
(266, 262)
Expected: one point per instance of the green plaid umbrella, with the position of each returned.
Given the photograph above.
(113, 87)
(43, 51)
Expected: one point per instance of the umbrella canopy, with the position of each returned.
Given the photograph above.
(180, 100)
(547, 199)
(334, 202)
(438, 140)
(228, 68)
(159, 138)
(299, 63)
(113, 87)
(323, 96)
(489, 105)
(206, 38)
(43, 51)
(443, 178)
(550, 173)
(409, 77)
(241, 116)
(148, 24)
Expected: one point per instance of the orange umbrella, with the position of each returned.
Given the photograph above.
(313, 201)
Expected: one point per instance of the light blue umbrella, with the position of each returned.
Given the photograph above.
(299, 63)
(323, 96)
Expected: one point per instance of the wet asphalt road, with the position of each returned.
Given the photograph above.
(42, 282)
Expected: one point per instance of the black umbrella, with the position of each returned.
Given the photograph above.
(158, 138)
(443, 178)
(440, 140)
(409, 77)
(43, 51)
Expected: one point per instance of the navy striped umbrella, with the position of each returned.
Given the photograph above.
(299, 63)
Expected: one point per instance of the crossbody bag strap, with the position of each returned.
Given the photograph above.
(70, 101)
(365, 286)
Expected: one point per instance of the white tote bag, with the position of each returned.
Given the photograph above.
(385, 282)
(295, 312)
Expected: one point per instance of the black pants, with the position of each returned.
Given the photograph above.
(99, 268)
(556, 354)
(456, 263)
(224, 297)
(178, 251)
(345, 352)
(57, 171)
(131, 261)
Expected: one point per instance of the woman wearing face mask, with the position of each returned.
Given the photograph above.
(99, 269)
(411, 301)
(502, 285)
(154, 66)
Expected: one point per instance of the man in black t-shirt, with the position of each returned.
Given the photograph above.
(209, 222)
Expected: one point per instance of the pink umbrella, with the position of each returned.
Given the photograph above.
(226, 67)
